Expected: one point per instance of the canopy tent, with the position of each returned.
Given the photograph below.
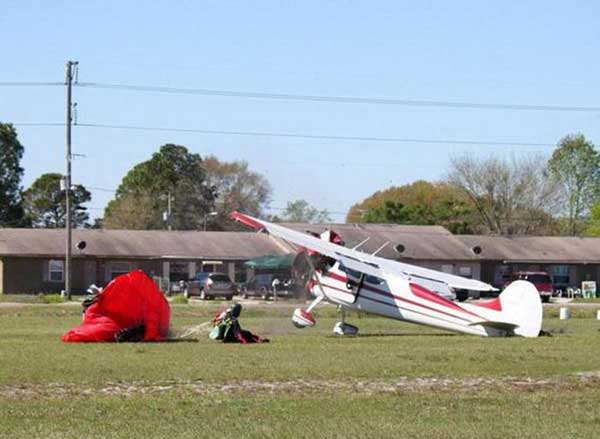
(272, 262)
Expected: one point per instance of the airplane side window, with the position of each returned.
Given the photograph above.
(349, 272)
(374, 280)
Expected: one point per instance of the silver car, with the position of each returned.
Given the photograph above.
(210, 285)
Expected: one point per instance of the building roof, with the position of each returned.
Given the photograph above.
(427, 243)
(139, 244)
(419, 242)
(535, 249)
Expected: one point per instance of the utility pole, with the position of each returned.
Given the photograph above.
(68, 255)
(169, 211)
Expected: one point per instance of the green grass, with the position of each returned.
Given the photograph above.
(587, 300)
(546, 414)
(20, 298)
(320, 385)
(179, 299)
(43, 298)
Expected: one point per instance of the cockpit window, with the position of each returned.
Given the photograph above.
(374, 280)
(349, 272)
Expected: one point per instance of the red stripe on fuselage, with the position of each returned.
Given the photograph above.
(389, 294)
(424, 293)
(494, 304)
(398, 307)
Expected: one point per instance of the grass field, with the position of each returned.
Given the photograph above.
(395, 380)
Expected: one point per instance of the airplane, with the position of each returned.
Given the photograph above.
(355, 280)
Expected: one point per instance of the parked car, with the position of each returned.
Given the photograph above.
(261, 286)
(541, 280)
(209, 286)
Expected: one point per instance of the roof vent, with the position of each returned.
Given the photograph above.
(476, 250)
(81, 245)
(399, 248)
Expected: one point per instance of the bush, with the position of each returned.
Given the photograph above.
(179, 299)
(51, 298)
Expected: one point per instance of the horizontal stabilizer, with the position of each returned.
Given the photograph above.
(502, 326)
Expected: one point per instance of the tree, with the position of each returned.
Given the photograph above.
(134, 212)
(511, 197)
(592, 227)
(238, 188)
(45, 203)
(421, 202)
(575, 166)
(172, 174)
(97, 224)
(300, 211)
(11, 153)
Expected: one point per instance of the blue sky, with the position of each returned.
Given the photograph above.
(491, 52)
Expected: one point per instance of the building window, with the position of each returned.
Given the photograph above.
(56, 270)
(465, 272)
(117, 268)
(178, 271)
(560, 274)
(448, 268)
(213, 267)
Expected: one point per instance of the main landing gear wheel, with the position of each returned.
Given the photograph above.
(342, 328)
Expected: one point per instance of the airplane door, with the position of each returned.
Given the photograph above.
(354, 286)
(350, 291)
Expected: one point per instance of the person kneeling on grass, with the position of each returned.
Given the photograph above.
(227, 329)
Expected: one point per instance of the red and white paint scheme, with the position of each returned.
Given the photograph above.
(360, 281)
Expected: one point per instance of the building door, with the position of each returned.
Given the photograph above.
(90, 273)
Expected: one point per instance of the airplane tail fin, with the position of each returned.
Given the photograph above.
(522, 306)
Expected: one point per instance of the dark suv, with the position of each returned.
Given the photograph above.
(210, 285)
(262, 285)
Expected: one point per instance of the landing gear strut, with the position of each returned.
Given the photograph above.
(343, 328)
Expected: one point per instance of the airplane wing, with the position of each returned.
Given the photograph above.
(359, 261)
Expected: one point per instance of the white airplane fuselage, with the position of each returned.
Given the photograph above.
(399, 299)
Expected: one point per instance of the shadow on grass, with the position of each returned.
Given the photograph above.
(389, 334)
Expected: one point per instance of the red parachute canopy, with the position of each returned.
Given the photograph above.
(128, 301)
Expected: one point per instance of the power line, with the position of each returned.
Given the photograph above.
(340, 99)
(278, 209)
(35, 124)
(314, 136)
(29, 84)
(102, 189)
(281, 209)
